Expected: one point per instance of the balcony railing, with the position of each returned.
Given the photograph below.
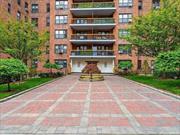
(92, 37)
(93, 5)
(93, 21)
(92, 53)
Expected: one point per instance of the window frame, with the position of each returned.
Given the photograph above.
(123, 32)
(35, 9)
(59, 35)
(125, 49)
(62, 48)
(61, 19)
(62, 62)
(124, 19)
(123, 3)
(61, 4)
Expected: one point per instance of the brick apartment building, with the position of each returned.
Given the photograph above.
(83, 30)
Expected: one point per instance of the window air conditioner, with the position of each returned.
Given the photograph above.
(61, 51)
(130, 20)
(130, 5)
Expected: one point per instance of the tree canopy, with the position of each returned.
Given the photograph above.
(168, 62)
(10, 68)
(125, 65)
(21, 40)
(158, 31)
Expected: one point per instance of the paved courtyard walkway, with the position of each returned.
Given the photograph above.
(69, 106)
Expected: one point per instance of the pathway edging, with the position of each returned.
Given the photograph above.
(25, 91)
(155, 89)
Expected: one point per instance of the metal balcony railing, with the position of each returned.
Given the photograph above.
(93, 21)
(92, 53)
(92, 37)
(93, 5)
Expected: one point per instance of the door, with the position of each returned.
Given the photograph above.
(77, 65)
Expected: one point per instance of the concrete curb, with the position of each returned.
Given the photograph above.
(155, 89)
(25, 91)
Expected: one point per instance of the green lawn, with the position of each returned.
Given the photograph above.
(22, 86)
(169, 85)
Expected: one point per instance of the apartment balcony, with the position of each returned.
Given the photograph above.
(96, 8)
(93, 23)
(92, 54)
(92, 38)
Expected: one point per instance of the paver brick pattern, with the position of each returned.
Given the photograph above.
(69, 106)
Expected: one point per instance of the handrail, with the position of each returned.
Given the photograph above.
(93, 5)
(92, 50)
(92, 53)
(92, 36)
(92, 20)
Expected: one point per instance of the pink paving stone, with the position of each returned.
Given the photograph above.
(101, 96)
(120, 90)
(75, 96)
(61, 121)
(80, 90)
(69, 107)
(105, 108)
(173, 106)
(81, 87)
(143, 107)
(29, 95)
(12, 121)
(99, 90)
(143, 90)
(61, 90)
(8, 106)
(108, 121)
(129, 96)
(156, 96)
(50, 96)
(158, 121)
(35, 107)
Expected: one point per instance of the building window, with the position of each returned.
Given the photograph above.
(60, 34)
(61, 4)
(139, 66)
(61, 63)
(34, 63)
(125, 18)
(18, 15)
(9, 7)
(61, 19)
(60, 49)
(123, 33)
(140, 4)
(125, 49)
(34, 8)
(26, 18)
(19, 2)
(47, 21)
(156, 4)
(125, 3)
(47, 7)
(35, 21)
(26, 7)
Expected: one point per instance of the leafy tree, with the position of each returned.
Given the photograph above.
(125, 65)
(158, 31)
(51, 66)
(21, 40)
(11, 68)
(168, 62)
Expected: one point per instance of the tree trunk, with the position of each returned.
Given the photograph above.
(9, 88)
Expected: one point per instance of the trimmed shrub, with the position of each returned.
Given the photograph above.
(168, 65)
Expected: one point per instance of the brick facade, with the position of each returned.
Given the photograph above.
(43, 14)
